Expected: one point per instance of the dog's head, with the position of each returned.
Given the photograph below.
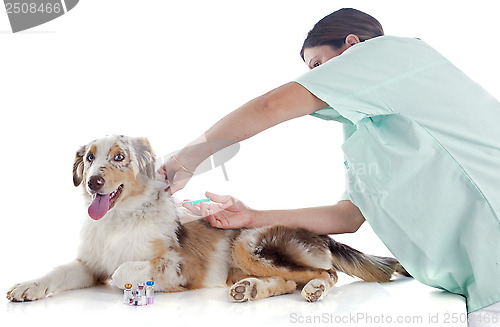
(113, 169)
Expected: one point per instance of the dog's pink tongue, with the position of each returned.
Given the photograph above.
(99, 206)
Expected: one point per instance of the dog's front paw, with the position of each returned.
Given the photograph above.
(132, 272)
(28, 291)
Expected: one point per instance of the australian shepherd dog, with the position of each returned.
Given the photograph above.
(136, 235)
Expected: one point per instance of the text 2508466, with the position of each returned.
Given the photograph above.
(32, 7)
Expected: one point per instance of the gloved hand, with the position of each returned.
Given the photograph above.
(223, 212)
(176, 174)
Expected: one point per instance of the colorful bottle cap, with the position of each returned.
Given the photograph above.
(128, 286)
(150, 283)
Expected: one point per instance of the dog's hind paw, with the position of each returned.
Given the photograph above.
(314, 290)
(29, 291)
(245, 290)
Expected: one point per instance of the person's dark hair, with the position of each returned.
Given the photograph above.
(333, 29)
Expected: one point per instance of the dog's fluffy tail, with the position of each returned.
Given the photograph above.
(367, 267)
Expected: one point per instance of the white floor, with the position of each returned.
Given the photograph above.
(403, 302)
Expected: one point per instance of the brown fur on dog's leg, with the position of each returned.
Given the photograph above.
(235, 275)
(251, 289)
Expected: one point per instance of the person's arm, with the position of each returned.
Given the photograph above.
(343, 217)
(286, 102)
(228, 212)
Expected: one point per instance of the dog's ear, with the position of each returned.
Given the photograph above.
(144, 156)
(78, 166)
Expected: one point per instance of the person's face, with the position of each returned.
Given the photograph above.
(315, 56)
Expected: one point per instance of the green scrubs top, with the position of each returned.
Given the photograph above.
(422, 155)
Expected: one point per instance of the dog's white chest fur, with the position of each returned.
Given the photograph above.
(119, 238)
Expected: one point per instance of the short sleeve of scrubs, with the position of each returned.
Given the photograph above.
(352, 83)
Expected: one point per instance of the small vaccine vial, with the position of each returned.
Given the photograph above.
(141, 292)
(128, 295)
(136, 301)
(150, 292)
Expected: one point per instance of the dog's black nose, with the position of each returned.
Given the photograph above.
(95, 183)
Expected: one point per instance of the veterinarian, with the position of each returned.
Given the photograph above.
(422, 154)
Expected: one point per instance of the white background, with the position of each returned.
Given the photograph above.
(168, 70)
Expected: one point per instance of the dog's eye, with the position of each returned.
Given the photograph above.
(90, 157)
(119, 157)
